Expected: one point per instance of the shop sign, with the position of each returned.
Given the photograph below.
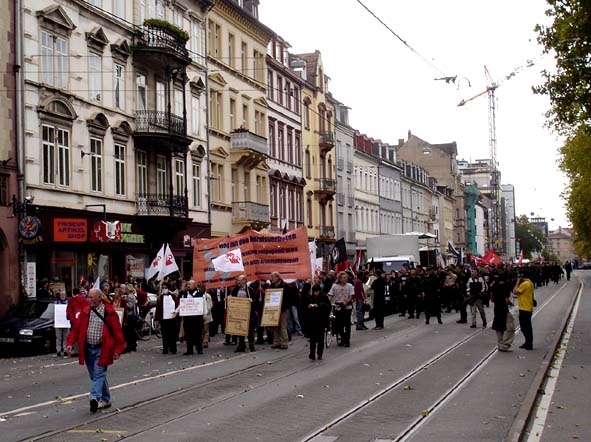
(129, 237)
(69, 230)
(105, 231)
(29, 229)
(31, 280)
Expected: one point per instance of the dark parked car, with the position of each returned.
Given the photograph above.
(29, 326)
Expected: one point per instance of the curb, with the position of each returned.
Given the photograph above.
(516, 432)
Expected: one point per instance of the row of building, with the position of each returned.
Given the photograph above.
(126, 124)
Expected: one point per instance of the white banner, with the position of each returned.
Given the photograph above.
(135, 266)
(59, 316)
(229, 262)
(31, 280)
(191, 307)
(312, 247)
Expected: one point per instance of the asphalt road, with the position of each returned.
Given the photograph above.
(410, 381)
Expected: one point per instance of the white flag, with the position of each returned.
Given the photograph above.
(229, 262)
(318, 264)
(168, 265)
(97, 283)
(156, 265)
(312, 248)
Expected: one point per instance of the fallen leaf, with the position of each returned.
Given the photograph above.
(300, 396)
(408, 387)
(425, 413)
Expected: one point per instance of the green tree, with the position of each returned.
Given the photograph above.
(568, 39)
(530, 238)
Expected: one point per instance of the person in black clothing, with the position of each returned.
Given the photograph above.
(243, 291)
(568, 268)
(413, 287)
(432, 290)
(193, 325)
(318, 310)
(379, 286)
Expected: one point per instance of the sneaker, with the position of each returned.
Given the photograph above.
(104, 404)
(93, 405)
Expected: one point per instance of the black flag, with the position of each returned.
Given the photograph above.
(338, 252)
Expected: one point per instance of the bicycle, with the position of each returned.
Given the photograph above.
(148, 325)
(331, 330)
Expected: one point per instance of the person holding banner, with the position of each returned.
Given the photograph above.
(242, 290)
(61, 333)
(280, 337)
(192, 323)
(166, 315)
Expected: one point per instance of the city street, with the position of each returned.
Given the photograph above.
(410, 381)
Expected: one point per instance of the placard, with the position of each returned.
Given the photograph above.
(59, 316)
(238, 316)
(119, 311)
(272, 307)
(31, 280)
(168, 307)
(191, 307)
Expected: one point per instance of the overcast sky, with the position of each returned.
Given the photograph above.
(391, 90)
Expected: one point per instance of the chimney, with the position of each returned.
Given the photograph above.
(409, 134)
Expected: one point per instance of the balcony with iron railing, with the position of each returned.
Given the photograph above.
(160, 122)
(246, 140)
(248, 212)
(325, 141)
(160, 40)
(326, 232)
(156, 204)
(327, 187)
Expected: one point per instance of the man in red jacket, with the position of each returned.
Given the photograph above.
(100, 340)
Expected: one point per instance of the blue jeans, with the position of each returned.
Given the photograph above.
(359, 303)
(293, 323)
(99, 387)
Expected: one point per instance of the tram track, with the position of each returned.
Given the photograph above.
(427, 413)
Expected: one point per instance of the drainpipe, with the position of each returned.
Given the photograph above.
(19, 123)
(207, 132)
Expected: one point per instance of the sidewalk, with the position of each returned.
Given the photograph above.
(568, 414)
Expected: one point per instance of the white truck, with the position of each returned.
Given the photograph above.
(392, 252)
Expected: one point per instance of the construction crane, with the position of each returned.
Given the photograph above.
(495, 185)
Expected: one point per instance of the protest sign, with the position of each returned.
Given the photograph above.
(59, 316)
(262, 254)
(238, 316)
(168, 307)
(272, 307)
(191, 307)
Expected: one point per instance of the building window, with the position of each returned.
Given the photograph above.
(195, 114)
(245, 112)
(96, 165)
(273, 196)
(232, 114)
(290, 152)
(178, 102)
(142, 92)
(54, 60)
(270, 91)
(195, 34)
(196, 185)
(259, 66)
(309, 210)
(280, 90)
(214, 40)
(261, 189)
(288, 94)
(298, 148)
(56, 156)
(119, 90)
(179, 176)
(215, 109)
(281, 141)
(308, 164)
(299, 208)
(3, 190)
(272, 146)
(119, 169)
(161, 176)
(217, 182)
(306, 115)
(141, 160)
(259, 123)
(119, 8)
(231, 50)
(160, 96)
(244, 58)
(95, 83)
(296, 99)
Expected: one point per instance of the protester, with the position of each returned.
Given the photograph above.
(318, 311)
(359, 296)
(379, 286)
(166, 315)
(100, 339)
(503, 322)
(193, 325)
(341, 296)
(476, 293)
(280, 337)
(242, 290)
(133, 319)
(207, 317)
(524, 290)
(61, 333)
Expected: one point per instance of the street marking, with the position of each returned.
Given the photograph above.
(60, 365)
(116, 387)
(543, 407)
(98, 430)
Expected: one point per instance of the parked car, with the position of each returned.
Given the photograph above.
(29, 326)
(585, 266)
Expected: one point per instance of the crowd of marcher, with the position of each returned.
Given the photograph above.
(307, 308)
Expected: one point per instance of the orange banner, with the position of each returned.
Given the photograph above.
(69, 229)
(262, 253)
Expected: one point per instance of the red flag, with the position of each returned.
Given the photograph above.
(520, 257)
(341, 266)
(357, 261)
